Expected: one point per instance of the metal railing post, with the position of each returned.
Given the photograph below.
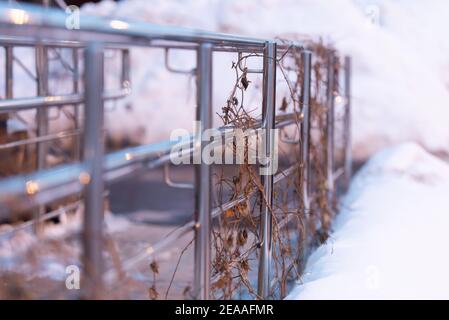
(268, 121)
(41, 117)
(305, 137)
(126, 68)
(93, 159)
(76, 111)
(203, 176)
(330, 127)
(8, 86)
(347, 121)
(42, 112)
(9, 62)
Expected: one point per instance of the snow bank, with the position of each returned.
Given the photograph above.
(399, 83)
(390, 239)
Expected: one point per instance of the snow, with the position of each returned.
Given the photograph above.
(390, 239)
(399, 67)
(18, 246)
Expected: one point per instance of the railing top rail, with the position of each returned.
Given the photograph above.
(49, 24)
(19, 18)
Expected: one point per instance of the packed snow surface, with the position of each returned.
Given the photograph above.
(390, 239)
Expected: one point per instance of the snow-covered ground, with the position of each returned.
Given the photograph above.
(390, 239)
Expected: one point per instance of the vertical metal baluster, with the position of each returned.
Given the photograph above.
(8, 89)
(347, 123)
(305, 137)
(42, 112)
(268, 117)
(93, 158)
(330, 128)
(76, 113)
(203, 177)
(8, 85)
(9, 62)
(41, 118)
(126, 67)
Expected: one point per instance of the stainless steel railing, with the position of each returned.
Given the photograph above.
(44, 28)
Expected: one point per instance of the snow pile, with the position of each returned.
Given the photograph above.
(399, 81)
(391, 235)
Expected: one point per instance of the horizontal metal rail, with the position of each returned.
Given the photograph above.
(50, 137)
(11, 105)
(116, 165)
(47, 22)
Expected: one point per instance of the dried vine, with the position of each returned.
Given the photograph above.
(236, 235)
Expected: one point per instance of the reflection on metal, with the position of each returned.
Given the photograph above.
(119, 25)
(18, 16)
(31, 187)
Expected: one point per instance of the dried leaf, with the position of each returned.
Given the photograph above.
(152, 292)
(244, 265)
(284, 104)
(243, 209)
(230, 241)
(245, 82)
(154, 267)
(220, 283)
(186, 291)
(229, 213)
(242, 237)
